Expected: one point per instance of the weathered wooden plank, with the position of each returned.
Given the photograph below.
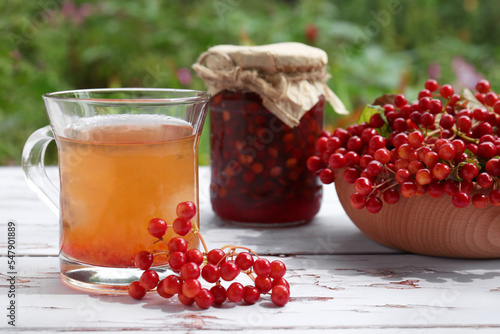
(397, 293)
(391, 293)
(336, 330)
(331, 232)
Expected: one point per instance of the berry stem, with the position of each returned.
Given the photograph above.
(233, 247)
(196, 231)
(432, 133)
(394, 184)
(162, 241)
(463, 136)
(160, 252)
(158, 240)
(390, 170)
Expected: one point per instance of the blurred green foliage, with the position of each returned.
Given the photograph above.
(374, 47)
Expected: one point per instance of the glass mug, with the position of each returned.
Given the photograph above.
(125, 156)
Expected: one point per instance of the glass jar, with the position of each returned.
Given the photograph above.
(265, 116)
(258, 163)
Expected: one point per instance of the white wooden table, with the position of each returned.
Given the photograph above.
(340, 280)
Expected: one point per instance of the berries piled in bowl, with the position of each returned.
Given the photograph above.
(422, 177)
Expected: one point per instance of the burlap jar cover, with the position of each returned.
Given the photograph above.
(289, 77)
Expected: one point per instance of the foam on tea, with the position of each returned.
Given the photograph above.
(111, 129)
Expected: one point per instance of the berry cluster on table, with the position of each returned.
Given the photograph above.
(214, 267)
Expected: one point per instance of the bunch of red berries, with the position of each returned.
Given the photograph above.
(444, 143)
(213, 266)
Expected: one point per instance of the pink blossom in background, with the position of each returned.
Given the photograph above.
(16, 54)
(434, 71)
(184, 76)
(466, 73)
(76, 15)
(68, 8)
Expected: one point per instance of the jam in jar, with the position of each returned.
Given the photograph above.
(258, 163)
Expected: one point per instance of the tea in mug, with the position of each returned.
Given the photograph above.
(117, 172)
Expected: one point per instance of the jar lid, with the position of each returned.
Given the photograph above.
(281, 57)
(289, 77)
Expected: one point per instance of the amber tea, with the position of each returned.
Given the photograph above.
(117, 172)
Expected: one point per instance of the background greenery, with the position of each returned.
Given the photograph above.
(374, 47)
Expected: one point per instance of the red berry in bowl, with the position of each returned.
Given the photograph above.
(314, 164)
(479, 200)
(483, 86)
(374, 204)
(446, 91)
(363, 186)
(460, 199)
(358, 201)
(431, 85)
(327, 176)
(400, 100)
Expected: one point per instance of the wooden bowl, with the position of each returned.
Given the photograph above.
(428, 226)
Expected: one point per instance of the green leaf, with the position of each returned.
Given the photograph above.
(469, 153)
(370, 110)
(469, 160)
(473, 161)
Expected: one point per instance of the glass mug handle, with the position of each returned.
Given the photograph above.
(34, 167)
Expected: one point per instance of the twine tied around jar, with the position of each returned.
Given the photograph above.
(289, 77)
